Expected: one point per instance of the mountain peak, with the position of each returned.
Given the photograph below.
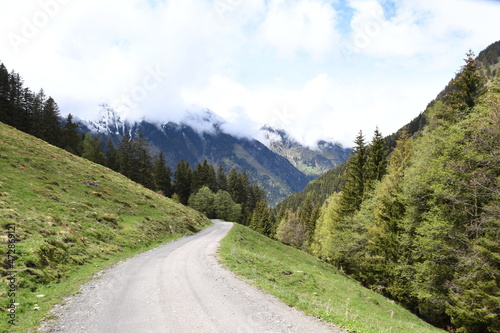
(203, 121)
(311, 161)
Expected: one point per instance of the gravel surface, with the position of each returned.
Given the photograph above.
(178, 287)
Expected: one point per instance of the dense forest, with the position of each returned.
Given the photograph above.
(418, 223)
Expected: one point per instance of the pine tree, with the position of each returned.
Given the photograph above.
(467, 86)
(377, 163)
(142, 166)
(125, 156)
(111, 155)
(221, 179)
(37, 128)
(92, 150)
(162, 175)
(259, 219)
(182, 181)
(355, 177)
(71, 139)
(4, 94)
(20, 113)
(203, 175)
(50, 126)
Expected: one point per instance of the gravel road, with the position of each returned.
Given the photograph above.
(178, 287)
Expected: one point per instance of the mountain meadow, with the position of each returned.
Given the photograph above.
(64, 218)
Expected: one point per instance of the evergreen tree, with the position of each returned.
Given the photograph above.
(236, 186)
(182, 181)
(221, 179)
(203, 175)
(142, 164)
(111, 155)
(260, 219)
(376, 165)
(355, 177)
(467, 86)
(20, 108)
(305, 215)
(71, 139)
(4, 94)
(50, 126)
(92, 150)
(37, 115)
(162, 175)
(125, 155)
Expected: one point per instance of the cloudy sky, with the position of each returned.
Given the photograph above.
(317, 68)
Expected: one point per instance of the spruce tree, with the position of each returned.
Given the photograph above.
(71, 139)
(37, 128)
(259, 219)
(50, 127)
(221, 179)
(125, 156)
(4, 94)
(92, 150)
(376, 167)
(467, 86)
(111, 155)
(142, 166)
(354, 187)
(182, 181)
(20, 113)
(162, 175)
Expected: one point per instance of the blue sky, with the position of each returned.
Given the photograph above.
(320, 69)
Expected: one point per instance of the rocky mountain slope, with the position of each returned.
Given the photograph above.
(313, 162)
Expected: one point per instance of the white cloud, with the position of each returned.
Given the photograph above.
(287, 63)
(300, 26)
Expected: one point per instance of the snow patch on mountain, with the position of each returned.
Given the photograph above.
(203, 121)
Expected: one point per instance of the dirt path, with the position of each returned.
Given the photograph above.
(179, 287)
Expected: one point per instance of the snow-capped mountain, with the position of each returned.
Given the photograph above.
(199, 136)
(311, 161)
(281, 165)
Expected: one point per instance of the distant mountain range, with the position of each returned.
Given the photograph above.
(312, 162)
(281, 169)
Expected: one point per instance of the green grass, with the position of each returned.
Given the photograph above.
(315, 287)
(72, 218)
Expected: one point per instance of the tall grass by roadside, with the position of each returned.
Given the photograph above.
(313, 286)
(67, 218)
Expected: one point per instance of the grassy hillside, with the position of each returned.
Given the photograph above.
(66, 218)
(319, 289)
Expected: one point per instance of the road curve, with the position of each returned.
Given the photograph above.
(178, 287)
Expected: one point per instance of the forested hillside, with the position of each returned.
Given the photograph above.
(420, 226)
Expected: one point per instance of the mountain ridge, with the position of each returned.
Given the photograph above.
(198, 137)
(312, 161)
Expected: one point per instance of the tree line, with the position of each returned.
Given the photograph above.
(35, 113)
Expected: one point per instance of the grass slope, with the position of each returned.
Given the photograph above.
(66, 218)
(317, 288)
